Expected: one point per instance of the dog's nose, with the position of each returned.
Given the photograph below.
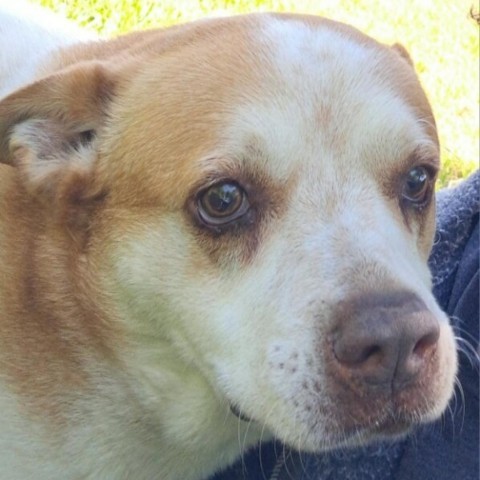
(384, 340)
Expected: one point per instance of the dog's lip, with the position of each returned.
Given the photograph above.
(387, 428)
(236, 411)
(392, 427)
(374, 429)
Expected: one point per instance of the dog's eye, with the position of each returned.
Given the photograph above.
(222, 203)
(416, 187)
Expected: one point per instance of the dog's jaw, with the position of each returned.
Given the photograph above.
(192, 416)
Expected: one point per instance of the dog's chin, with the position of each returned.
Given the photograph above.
(333, 437)
(387, 431)
(382, 431)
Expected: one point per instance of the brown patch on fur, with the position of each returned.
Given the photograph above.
(49, 325)
(54, 321)
(46, 131)
(403, 79)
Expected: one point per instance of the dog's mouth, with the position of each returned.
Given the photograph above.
(335, 438)
(389, 428)
(385, 428)
(236, 411)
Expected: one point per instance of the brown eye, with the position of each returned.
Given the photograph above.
(222, 203)
(416, 186)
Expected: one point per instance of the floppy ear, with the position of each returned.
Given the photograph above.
(48, 130)
(403, 52)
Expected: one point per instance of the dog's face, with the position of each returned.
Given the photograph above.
(263, 210)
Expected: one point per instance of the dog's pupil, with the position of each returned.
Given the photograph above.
(223, 199)
(416, 181)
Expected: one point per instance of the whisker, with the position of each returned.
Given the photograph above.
(459, 330)
(459, 388)
(469, 351)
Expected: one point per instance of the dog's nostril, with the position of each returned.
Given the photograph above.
(370, 352)
(354, 351)
(427, 341)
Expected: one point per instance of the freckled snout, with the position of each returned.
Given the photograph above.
(384, 341)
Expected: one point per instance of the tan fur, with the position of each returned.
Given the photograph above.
(118, 312)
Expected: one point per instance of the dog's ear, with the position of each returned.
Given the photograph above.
(48, 131)
(403, 52)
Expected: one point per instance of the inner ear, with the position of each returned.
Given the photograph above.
(77, 98)
(47, 157)
(48, 131)
(87, 136)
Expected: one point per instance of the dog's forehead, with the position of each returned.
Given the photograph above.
(329, 94)
(306, 93)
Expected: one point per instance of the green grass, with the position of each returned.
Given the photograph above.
(439, 34)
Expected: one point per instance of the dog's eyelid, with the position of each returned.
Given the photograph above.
(215, 179)
(424, 156)
(429, 164)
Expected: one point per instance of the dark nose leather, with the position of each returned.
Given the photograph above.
(384, 339)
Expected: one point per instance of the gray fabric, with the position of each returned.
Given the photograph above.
(456, 212)
(376, 462)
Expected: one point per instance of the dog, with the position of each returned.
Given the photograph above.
(212, 235)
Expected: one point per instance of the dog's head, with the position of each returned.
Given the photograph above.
(256, 198)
